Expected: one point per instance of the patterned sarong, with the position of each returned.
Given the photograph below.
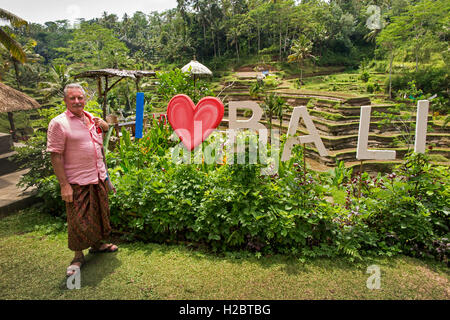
(88, 216)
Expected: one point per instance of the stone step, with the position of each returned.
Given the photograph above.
(313, 95)
(344, 147)
(370, 166)
(350, 154)
(291, 100)
(13, 198)
(6, 143)
(375, 166)
(7, 163)
(338, 129)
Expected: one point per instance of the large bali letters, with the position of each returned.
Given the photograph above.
(421, 126)
(362, 153)
(252, 123)
(312, 137)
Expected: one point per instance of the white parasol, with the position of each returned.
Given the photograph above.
(196, 68)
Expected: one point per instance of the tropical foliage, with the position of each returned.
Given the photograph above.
(7, 40)
(324, 33)
(224, 206)
(296, 211)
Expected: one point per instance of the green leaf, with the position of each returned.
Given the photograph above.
(213, 237)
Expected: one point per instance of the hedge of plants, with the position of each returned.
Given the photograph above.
(296, 211)
(228, 207)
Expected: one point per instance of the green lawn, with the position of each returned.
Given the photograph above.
(34, 257)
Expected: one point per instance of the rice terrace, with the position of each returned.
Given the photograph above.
(227, 150)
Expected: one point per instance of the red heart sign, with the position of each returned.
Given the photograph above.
(194, 123)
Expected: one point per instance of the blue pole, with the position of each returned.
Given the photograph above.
(139, 115)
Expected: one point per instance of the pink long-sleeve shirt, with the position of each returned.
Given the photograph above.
(80, 146)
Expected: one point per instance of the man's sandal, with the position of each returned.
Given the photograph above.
(108, 248)
(80, 260)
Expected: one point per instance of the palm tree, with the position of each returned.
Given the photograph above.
(9, 60)
(58, 78)
(273, 105)
(301, 49)
(14, 49)
(372, 35)
(280, 104)
(269, 107)
(7, 41)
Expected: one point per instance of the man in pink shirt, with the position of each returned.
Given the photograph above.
(75, 142)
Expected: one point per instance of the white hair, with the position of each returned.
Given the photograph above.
(73, 86)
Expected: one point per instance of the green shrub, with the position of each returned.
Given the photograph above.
(227, 207)
(373, 87)
(256, 89)
(365, 76)
(376, 87)
(334, 58)
(233, 207)
(440, 105)
(429, 81)
(409, 208)
(271, 81)
(176, 82)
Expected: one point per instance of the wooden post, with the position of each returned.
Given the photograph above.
(145, 123)
(117, 129)
(105, 92)
(360, 179)
(136, 81)
(13, 127)
(99, 87)
(304, 161)
(195, 90)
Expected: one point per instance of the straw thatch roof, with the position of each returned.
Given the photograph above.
(13, 100)
(116, 73)
(195, 67)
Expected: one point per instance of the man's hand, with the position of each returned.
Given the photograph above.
(101, 123)
(67, 193)
(58, 167)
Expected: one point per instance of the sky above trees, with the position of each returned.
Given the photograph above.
(52, 10)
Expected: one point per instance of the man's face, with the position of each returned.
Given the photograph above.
(75, 102)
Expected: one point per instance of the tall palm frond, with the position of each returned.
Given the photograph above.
(372, 35)
(301, 49)
(281, 104)
(12, 18)
(9, 61)
(10, 44)
(58, 77)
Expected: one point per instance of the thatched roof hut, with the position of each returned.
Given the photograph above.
(14, 100)
(103, 90)
(116, 73)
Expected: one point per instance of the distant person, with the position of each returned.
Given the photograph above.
(75, 142)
